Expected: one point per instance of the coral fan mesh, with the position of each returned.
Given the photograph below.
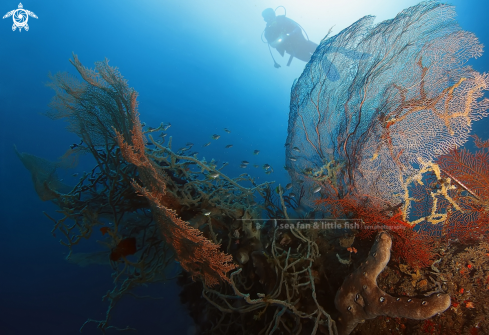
(382, 101)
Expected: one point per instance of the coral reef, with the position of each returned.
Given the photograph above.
(288, 276)
(359, 298)
(376, 149)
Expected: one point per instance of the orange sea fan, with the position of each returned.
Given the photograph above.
(471, 172)
(479, 143)
(468, 169)
(197, 255)
(116, 119)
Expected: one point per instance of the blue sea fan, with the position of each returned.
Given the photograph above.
(376, 102)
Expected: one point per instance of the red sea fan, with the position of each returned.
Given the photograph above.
(409, 245)
(470, 170)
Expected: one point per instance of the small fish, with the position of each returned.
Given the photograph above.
(228, 146)
(215, 137)
(292, 195)
(256, 166)
(308, 170)
(266, 166)
(296, 149)
(293, 159)
(253, 203)
(149, 144)
(227, 130)
(213, 175)
(245, 162)
(207, 144)
(269, 171)
(278, 189)
(184, 149)
(288, 186)
(75, 174)
(163, 135)
(316, 190)
(151, 128)
(165, 128)
(243, 166)
(256, 152)
(206, 213)
(189, 144)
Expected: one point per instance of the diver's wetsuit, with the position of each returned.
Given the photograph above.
(285, 35)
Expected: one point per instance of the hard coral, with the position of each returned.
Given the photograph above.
(359, 298)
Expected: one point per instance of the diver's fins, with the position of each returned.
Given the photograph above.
(290, 60)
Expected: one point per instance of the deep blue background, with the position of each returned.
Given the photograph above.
(199, 65)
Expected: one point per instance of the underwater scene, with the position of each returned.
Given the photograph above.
(244, 167)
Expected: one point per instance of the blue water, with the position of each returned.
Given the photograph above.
(197, 64)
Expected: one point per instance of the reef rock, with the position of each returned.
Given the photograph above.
(359, 298)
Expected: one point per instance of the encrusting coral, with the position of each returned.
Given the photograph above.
(359, 298)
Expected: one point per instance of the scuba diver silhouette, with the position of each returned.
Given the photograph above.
(285, 35)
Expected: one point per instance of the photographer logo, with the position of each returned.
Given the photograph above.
(20, 17)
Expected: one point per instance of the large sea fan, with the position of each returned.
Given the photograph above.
(404, 99)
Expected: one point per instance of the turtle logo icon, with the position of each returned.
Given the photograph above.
(20, 17)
